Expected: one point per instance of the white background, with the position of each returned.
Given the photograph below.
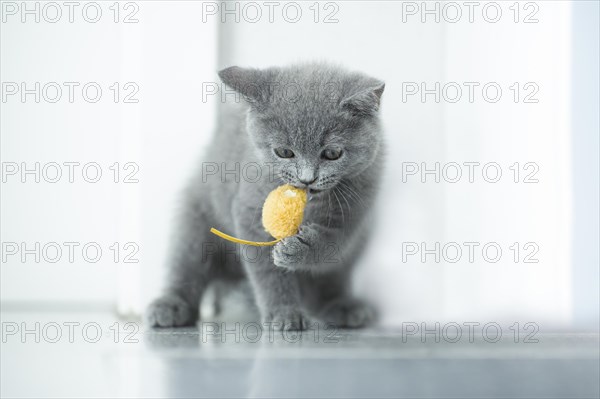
(171, 51)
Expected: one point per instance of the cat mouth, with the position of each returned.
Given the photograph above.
(309, 190)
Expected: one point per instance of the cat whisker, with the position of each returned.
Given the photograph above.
(352, 193)
(328, 208)
(345, 199)
(340, 204)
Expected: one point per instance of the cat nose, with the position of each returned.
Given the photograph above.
(306, 173)
(307, 178)
(307, 181)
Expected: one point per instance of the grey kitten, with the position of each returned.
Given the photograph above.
(313, 126)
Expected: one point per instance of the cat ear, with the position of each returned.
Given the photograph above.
(251, 83)
(365, 102)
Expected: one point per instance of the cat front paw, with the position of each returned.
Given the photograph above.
(349, 313)
(295, 251)
(170, 311)
(287, 319)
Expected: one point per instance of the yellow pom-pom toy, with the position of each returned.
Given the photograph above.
(281, 215)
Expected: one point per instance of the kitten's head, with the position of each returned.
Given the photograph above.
(315, 123)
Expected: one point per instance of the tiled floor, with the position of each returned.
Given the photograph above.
(202, 362)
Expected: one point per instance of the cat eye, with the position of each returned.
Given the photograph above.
(284, 152)
(331, 154)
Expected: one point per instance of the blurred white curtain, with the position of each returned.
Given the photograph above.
(48, 214)
(585, 120)
(531, 135)
(166, 51)
(172, 53)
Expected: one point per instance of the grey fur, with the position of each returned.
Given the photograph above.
(304, 108)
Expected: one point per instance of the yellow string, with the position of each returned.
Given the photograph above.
(238, 241)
